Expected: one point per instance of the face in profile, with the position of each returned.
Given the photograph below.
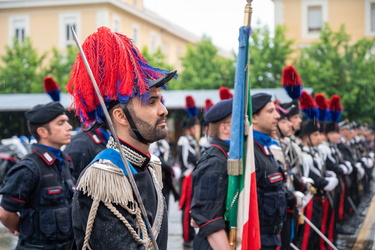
(296, 121)
(333, 136)
(150, 118)
(286, 127)
(315, 138)
(266, 119)
(58, 132)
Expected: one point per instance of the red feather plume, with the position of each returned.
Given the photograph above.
(321, 101)
(335, 103)
(225, 93)
(308, 105)
(290, 77)
(120, 71)
(50, 84)
(306, 101)
(189, 101)
(291, 82)
(208, 104)
(190, 106)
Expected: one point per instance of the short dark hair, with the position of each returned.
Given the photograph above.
(33, 127)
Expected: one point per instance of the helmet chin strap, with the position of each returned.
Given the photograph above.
(281, 133)
(310, 141)
(132, 124)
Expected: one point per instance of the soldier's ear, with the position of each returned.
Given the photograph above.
(118, 116)
(42, 132)
(255, 119)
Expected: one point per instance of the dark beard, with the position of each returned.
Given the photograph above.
(149, 132)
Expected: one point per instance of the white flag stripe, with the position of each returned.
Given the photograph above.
(244, 197)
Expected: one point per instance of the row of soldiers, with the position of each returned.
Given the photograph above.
(336, 161)
(315, 174)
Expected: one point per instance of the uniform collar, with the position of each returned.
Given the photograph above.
(134, 156)
(45, 153)
(223, 144)
(264, 139)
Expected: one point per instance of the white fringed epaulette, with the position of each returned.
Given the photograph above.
(107, 183)
(156, 166)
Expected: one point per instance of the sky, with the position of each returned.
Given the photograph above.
(218, 19)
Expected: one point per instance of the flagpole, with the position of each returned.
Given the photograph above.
(239, 130)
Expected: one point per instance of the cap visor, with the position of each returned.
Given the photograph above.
(162, 80)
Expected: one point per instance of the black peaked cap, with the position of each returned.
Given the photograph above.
(259, 100)
(308, 127)
(44, 113)
(219, 111)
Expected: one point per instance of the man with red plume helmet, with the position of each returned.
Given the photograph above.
(106, 212)
(314, 167)
(295, 185)
(332, 163)
(188, 154)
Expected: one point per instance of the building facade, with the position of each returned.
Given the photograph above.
(304, 19)
(48, 22)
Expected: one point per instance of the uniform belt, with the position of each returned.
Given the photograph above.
(55, 246)
(271, 229)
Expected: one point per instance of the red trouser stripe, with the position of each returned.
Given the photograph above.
(306, 232)
(331, 228)
(323, 228)
(341, 205)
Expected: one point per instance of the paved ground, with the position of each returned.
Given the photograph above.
(174, 226)
(7, 240)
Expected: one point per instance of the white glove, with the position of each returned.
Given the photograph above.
(344, 168)
(330, 173)
(176, 172)
(307, 180)
(350, 167)
(360, 171)
(367, 162)
(332, 183)
(300, 199)
(371, 154)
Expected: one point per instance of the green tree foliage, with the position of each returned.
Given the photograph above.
(60, 65)
(19, 68)
(336, 65)
(157, 59)
(204, 68)
(268, 56)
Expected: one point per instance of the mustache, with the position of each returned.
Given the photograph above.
(162, 118)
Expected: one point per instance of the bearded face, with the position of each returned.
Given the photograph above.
(150, 117)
